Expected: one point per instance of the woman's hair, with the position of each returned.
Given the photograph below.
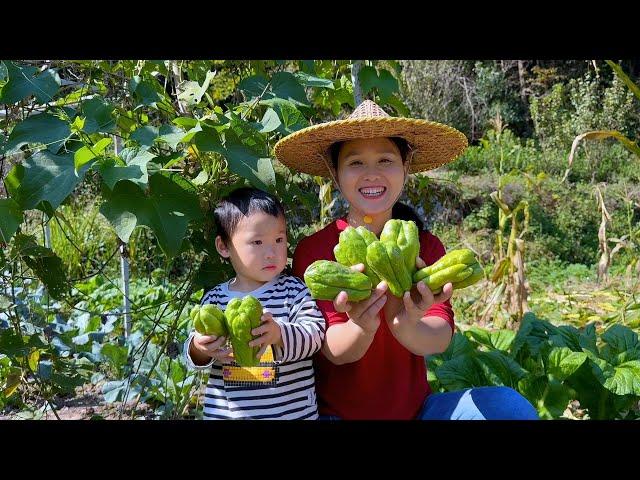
(401, 143)
(240, 203)
(401, 211)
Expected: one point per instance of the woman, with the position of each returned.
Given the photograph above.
(372, 363)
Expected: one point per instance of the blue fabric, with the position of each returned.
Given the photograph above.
(481, 403)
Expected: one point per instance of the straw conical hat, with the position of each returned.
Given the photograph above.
(434, 143)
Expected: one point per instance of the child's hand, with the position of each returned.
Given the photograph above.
(268, 334)
(210, 346)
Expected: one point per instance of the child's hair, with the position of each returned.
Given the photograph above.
(241, 202)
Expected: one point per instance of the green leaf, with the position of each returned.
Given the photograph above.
(459, 346)
(292, 119)
(621, 338)
(135, 171)
(387, 84)
(39, 129)
(43, 177)
(555, 400)
(206, 139)
(624, 379)
(167, 210)
(500, 369)
(10, 218)
(23, 83)
(34, 358)
(308, 80)
(144, 92)
(246, 163)
(459, 373)
(588, 338)
(368, 79)
(500, 340)
(98, 116)
(283, 85)
(171, 135)
(567, 336)
(623, 76)
(269, 122)
(46, 265)
(145, 135)
(532, 337)
(563, 362)
(85, 154)
(115, 354)
(191, 92)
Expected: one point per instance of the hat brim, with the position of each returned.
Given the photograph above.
(434, 143)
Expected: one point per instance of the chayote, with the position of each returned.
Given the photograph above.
(327, 279)
(208, 320)
(243, 315)
(403, 233)
(352, 249)
(386, 260)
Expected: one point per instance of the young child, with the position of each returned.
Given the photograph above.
(252, 235)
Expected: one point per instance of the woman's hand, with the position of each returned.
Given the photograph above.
(412, 306)
(268, 333)
(210, 346)
(363, 313)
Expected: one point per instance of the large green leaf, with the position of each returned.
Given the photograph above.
(145, 135)
(368, 78)
(171, 135)
(39, 129)
(308, 80)
(245, 162)
(500, 340)
(623, 379)
(45, 264)
(532, 336)
(291, 118)
(621, 338)
(98, 116)
(563, 362)
(166, 209)
(44, 177)
(10, 218)
(555, 400)
(269, 122)
(460, 373)
(135, 170)
(566, 336)
(24, 82)
(87, 153)
(458, 346)
(282, 85)
(499, 368)
(144, 92)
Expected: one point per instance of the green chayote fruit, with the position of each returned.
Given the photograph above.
(327, 279)
(208, 320)
(243, 315)
(385, 259)
(403, 233)
(462, 255)
(352, 249)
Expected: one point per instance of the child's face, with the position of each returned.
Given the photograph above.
(258, 247)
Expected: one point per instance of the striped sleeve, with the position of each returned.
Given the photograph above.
(303, 332)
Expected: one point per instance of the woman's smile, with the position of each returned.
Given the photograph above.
(373, 192)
